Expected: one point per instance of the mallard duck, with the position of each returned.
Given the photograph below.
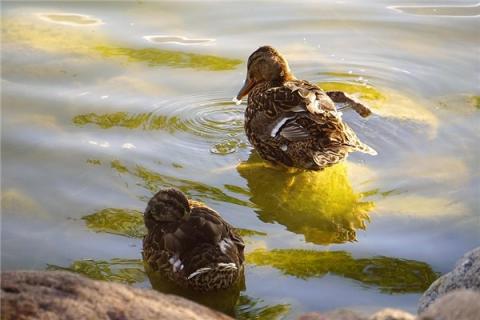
(294, 122)
(190, 243)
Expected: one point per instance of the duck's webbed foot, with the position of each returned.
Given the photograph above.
(350, 102)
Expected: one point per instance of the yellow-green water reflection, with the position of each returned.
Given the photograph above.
(143, 121)
(57, 38)
(117, 221)
(129, 223)
(388, 274)
(119, 270)
(321, 206)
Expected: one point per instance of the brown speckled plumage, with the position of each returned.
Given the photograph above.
(294, 122)
(190, 243)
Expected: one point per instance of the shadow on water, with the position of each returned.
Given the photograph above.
(322, 206)
(390, 275)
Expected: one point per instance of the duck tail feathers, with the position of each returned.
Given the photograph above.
(362, 147)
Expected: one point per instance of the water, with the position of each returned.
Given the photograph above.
(103, 103)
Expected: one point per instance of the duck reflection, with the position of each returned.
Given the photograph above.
(320, 205)
(221, 300)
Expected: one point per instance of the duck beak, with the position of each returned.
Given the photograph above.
(247, 86)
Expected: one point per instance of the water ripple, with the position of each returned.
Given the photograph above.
(215, 120)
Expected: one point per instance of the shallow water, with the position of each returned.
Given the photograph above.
(104, 103)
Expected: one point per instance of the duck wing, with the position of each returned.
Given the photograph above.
(297, 96)
(209, 243)
(298, 107)
(304, 111)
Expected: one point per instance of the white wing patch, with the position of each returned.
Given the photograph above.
(176, 263)
(225, 244)
(197, 272)
(279, 124)
(227, 266)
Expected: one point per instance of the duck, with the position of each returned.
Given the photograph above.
(294, 122)
(191, 244)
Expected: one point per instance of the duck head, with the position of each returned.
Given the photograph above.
(168, 205)
(265, 64)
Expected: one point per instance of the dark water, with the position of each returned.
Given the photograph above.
(103, 103)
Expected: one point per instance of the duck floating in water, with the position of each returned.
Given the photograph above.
(190, 243)
(294, 122)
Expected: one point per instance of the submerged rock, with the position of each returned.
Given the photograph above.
(459, 304)
(465, 275)
(63, 295)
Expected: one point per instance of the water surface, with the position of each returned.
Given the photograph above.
(104, 103)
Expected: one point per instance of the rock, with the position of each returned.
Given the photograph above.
(466, 274)
(459, 304)
(384, 314)
(332, 315)
(392, 314)
(63, 295)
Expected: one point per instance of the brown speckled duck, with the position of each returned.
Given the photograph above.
(294, 122)
(190, 243)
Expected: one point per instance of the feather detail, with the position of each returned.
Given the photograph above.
(294, 122)
(197, 243)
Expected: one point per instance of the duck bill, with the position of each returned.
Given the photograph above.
(248, 85)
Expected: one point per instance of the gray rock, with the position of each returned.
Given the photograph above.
(466, 274)
(392, 314)
(384, 314)
(341, 314)
(457, 305)
(63, 295)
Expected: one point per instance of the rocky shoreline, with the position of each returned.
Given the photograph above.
(63, 295)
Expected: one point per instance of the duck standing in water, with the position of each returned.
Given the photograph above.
(294, 122)
(190, 243)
